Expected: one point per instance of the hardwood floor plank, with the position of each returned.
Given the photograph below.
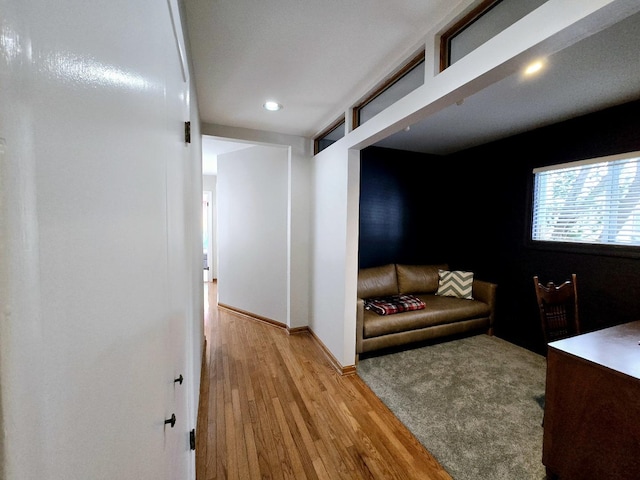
(220, 427)
(241, 443)
(295, 454)
(273, 407)
(267, 454)
(301, 425)
(203, 420)
(253, 462)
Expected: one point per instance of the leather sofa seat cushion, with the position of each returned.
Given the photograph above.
(438, 311)
(419, 278)
(377, 281)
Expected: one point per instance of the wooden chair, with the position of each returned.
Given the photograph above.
(558, 306)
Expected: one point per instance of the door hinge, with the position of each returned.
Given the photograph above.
(192, 439)
(187, 132)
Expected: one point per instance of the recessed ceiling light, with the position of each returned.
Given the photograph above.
(533, 67)
(272, 106)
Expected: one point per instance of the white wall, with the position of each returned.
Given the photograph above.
(300, 167)
(336, 190)
(252, 230)
(100, 265)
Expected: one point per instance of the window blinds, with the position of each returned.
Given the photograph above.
(595, 202)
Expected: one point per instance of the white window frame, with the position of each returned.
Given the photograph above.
(593, 202)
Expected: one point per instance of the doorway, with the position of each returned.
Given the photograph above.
(207, 249)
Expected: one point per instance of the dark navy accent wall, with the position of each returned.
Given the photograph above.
(399, 205)
(487, 232)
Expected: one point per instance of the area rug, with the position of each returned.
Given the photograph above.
(475, 403)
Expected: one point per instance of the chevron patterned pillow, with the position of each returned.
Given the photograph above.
(455, 284)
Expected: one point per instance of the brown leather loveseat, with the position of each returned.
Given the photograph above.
(441, 316)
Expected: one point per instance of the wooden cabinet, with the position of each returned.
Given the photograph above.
(592, 406)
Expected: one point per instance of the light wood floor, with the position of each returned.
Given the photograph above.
(272, 407)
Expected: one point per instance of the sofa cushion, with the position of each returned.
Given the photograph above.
(418, 278)
(393, 304)
(455, 284)
(438, 311)
(377, 281)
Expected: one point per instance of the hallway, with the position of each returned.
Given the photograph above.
(271, 406)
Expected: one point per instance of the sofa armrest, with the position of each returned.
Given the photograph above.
(486, 292)
(359, 325)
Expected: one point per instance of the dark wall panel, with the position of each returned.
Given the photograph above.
(400, 217)
(609, 287)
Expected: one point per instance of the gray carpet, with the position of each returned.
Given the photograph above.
(475, 403)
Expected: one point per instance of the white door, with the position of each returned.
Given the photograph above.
(183, 219)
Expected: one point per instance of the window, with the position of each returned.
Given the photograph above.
(595, 202)
(404, 81)
(485, 21)
(329, 136)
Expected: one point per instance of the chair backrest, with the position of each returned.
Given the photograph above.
(558, 306)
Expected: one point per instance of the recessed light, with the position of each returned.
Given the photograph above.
(533, 67)
(272, 106)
